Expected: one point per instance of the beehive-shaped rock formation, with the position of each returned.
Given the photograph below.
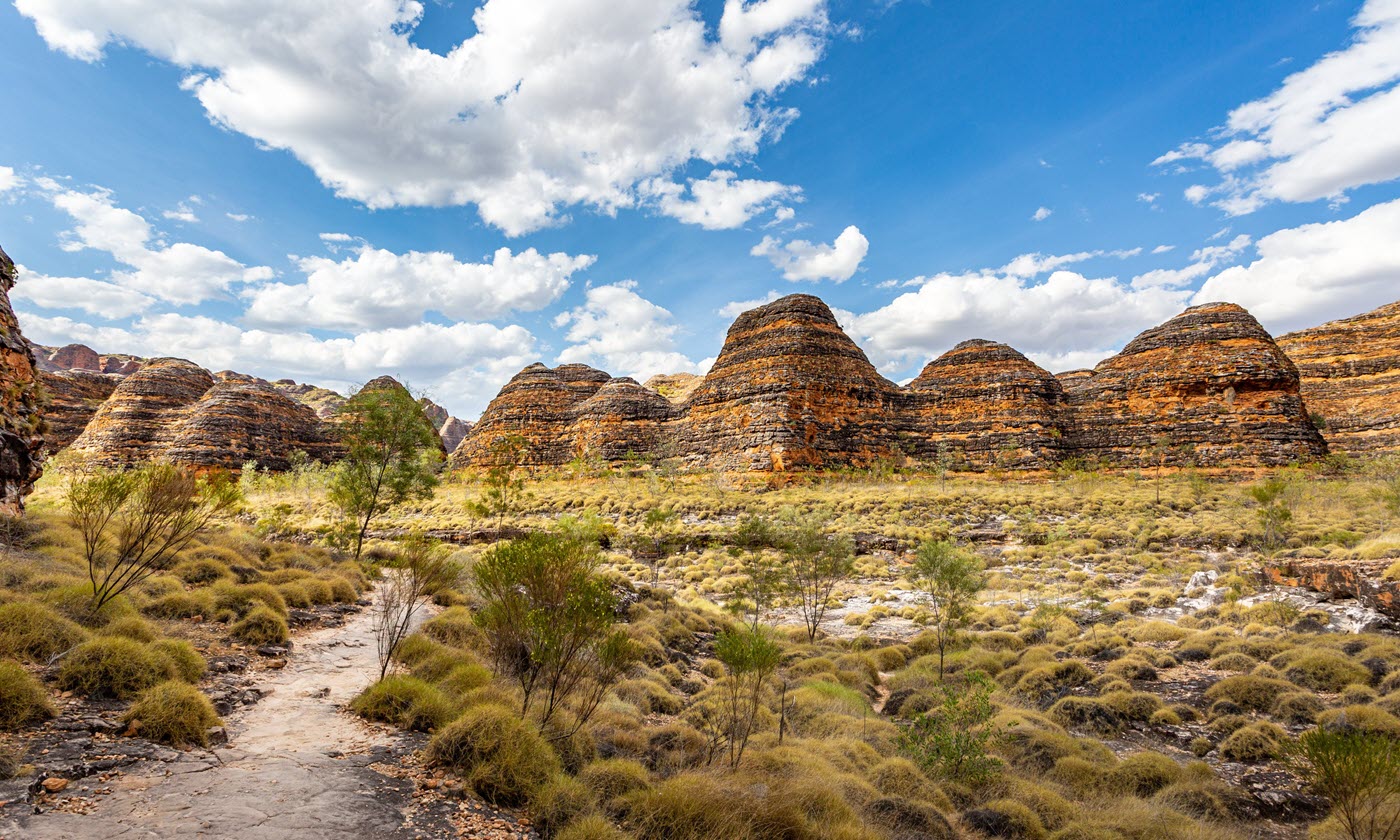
(244, 420)
(1208, 387)
(621, 419)
(174, 410)
(21, 419)
(984, 404)
(74, 397)
(538, 405)
(790, 390)
(1350, 371)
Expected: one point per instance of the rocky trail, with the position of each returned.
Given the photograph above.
(296, 766)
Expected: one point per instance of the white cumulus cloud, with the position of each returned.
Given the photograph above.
(721, 201)
(623, 333)
(378, 289)
(803, 260)
(1327, 129)
(548, 105)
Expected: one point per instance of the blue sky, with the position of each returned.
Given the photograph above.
(450, 191)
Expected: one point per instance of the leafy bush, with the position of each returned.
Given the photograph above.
(32, 632)
(173, 713)
(1359, 773)
(22, 698)
(951, 741)
(498, 755)
(261, 626)
(110, 666)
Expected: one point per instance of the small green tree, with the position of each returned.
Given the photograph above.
(419, 569)
(549, 622)
(134, 522)
(950, 576)
(1359, 773)
(751, 539)
(815, 564)
(392, 455)
(1274, 512)
(657, 523)
(750, 657)
(503, 488)
(951, 740)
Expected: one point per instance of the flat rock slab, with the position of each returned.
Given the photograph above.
(296, 767)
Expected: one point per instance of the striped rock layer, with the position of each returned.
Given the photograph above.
(21, 403)
(1350, 372)
(790, 390)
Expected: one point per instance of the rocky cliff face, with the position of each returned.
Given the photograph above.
(453, 432)
(323, 401)
(82, 357)
(175, 410)
(21, 421)
(621, 419)
(74, 397)
(983, 404)
(1208, 387)
(675, 387)
(790, 390)
(1350, 372)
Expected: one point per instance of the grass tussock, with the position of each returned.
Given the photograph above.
(173, 713)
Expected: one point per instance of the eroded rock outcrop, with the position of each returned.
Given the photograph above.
(453, 432)
(983, 404)
(1208, 387)
(74, 398)
(537, 406)
(675, 387)
(622, 419)
(323, 401)
(790, 390)
(21, 420)
(1350, 371)
(1360, 579)
(174, 410)
(82, 357)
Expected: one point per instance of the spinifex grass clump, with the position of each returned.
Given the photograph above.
(23, 699)
(173, 713)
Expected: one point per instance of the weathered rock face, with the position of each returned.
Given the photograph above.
(1350, 372)
(82, 357)
(790, 390)
(74, 397)
(1359, 579)
(323, 401)
(539, 405)
(21, 421)
(1209, 387)
(1073, 380)
(984, 404)
(241, 420)
(621, 419)
(675, 387)
(175, 410)
(453, 432)
(128, 426)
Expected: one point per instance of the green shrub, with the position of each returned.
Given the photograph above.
(559, 802)
(202, 571)
(591, 827)
(613, 778)
(1250, 692)
(173, 713)
(261, 626)
(180, 659)
(32, 632)
(1322, 670)
(1087, 714)
(464, 677)
(1143, 774)
(22, 698)
(1297, 707)
(131, 627)
(1047, 682)
(498, 755)
(404, 701)
(454, 626)
(1256, 742)
(181, 605)
(1360, 719)
(1006, 818)
(110, 666)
